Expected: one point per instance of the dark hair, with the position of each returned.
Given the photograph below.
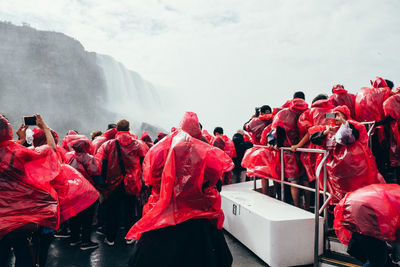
(201, 126)
(218, 130)
(123, 125)
(264, 109)
(299, 94)
(319, 97)
(111, 125)
(389, 84)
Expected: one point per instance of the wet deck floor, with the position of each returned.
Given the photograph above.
(62, 255)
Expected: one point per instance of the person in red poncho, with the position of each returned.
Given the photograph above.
(81, 159)
(75, 192)
(120, 160)
(314, 116)
(391, 107)
(182, 225)
(108, 135)
(368, 218)
(229, 146)
(147, 139)
(350, 164)
(341, 97)
(29, 208)
(286, 134)
(369, 107)
(256, 125)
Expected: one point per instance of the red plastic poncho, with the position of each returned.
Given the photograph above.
(262, 162)
(25, 193)
(392, 107)
(220, 143)
(131, 151)
(108, 135)
(39, 139)
(207, 136)
(160, 136)
(350, 167)
(369, 105)
(264, 138)
(341, 97)
(75, 193)
(189, 173)
(81, 159)
(309, 118)
(373, 210)
(81, 143)
(147, 139)
(229, 146)
(287, 119)
(256, 126)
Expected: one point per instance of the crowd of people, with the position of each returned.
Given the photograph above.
(166, 191)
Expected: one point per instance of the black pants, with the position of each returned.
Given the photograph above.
(25, 251)
(83, 220)
(380, 153)
(194, 243)
(370, 251)
(113, 207)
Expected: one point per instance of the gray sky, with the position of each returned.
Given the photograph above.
(223, 58)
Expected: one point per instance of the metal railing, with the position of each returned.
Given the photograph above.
(326, 199)
(370, 125)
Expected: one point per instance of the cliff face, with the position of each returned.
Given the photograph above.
(52, 74)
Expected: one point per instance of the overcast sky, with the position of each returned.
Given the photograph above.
(223, 58)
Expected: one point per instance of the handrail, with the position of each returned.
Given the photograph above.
(316, 190)
(371, 125)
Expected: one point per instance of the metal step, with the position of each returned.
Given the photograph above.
(337, 259)
(334, 245)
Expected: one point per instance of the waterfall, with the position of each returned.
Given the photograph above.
(126, 91)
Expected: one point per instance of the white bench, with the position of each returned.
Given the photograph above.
(278, 233)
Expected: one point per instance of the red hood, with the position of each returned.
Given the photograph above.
(39, 138)
(125, 138)
(298, 105)
(72, 132)
(82, 145)
(146, 137)
(379, 83)
(161, 135)
(338, 89)
(190, 124)
(323, 103)
(343, 109)
(5, 130)
(110, 134)
(266, 117)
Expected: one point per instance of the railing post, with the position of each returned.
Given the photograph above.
(325, 213)
(316, 213)
(255, 182)
(282, 177)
